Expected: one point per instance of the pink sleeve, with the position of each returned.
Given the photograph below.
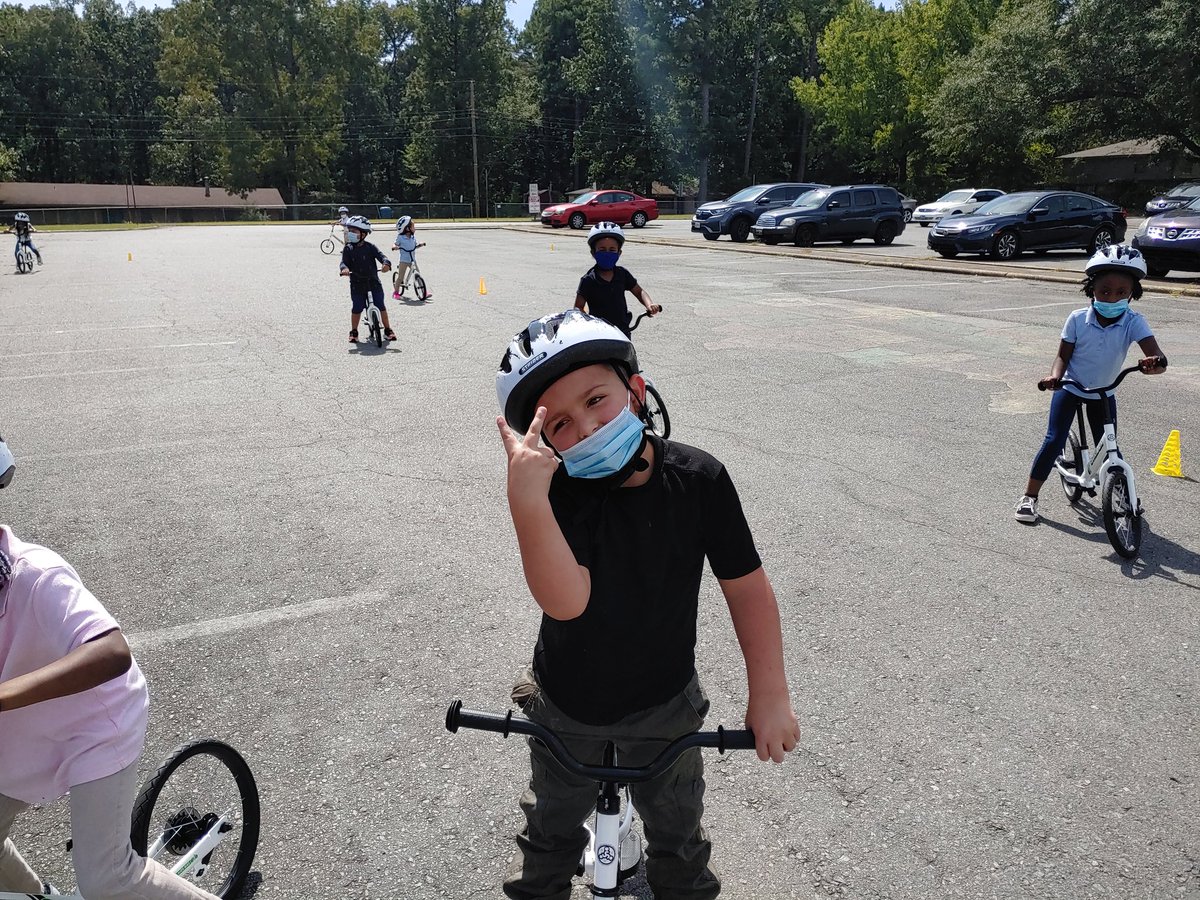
(67, 612)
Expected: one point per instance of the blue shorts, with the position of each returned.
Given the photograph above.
(358, 295)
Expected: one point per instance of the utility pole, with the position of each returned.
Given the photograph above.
(474, 149)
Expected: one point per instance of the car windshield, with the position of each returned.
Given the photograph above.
(1184, 190)
(584, 198)
(811, 199)
(1009, 205)
(955, 196)
(1195, 204)
(746, 193)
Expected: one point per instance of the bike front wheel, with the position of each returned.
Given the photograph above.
(1122, 522)
(656, 412)
(1074, 455)
(376, 327)
(327, 246)
(200, 784)
(419, 287)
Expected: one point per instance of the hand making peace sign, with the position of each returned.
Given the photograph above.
(530, 467)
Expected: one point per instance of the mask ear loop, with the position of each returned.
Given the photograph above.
(641, 412)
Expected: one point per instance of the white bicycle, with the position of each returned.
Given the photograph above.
(24, 258)
(1082, 469)
(199, 816)
(614, 849)
(412, 280)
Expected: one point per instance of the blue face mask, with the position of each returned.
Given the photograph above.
(607, 259)
(352, 238)
(607, 450)
(1111, 310)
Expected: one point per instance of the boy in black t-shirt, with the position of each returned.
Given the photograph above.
(614, 525)
(602, 289)
(358, 264)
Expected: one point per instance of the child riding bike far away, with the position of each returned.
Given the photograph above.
(406, 243)
(592, 493)
(1091, 352)
(602, 289)
(358, 264)
(73, 706)
(23, 228)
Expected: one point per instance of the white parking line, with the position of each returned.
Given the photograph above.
(884, 287)
(108, 371)
(78, 330)
(1037, 306)
(136, 349)
(160, 637)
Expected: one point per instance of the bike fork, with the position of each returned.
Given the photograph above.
(607, 841)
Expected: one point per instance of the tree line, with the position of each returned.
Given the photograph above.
(362, 100)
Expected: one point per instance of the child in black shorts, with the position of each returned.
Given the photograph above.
(358, 264)
(602, 289)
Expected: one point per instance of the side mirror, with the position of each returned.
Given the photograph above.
(593, 202)
(832, 204)
(763, 201)
(1038, 211)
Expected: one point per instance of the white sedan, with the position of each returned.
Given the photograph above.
(957, 202)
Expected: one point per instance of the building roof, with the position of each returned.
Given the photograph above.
(1147, 147)
(39, 194)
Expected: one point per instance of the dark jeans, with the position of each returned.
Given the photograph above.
(1062, 413)
(358, 295)
(557, 804)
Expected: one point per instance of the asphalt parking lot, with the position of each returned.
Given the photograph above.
(309, 548)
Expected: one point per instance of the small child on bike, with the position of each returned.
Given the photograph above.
(23, 228)
(358, 264)
(614, 525)
(406, 243)
(73, 707)
(602, 289)
(1091, 352)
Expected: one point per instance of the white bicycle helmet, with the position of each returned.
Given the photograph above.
(359, 222)
(403, 222)
(21, 217)
(1117, 258)
(546, 350)
(343, 210)
(606, 229)
(8, 465)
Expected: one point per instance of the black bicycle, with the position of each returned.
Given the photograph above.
(654, 411)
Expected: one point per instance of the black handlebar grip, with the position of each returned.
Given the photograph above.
(735, 740)
(457, 717)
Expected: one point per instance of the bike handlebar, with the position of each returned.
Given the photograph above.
(634, 326)
(1162, 362)
(507, 724)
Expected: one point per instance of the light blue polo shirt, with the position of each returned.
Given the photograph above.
(1100, 352)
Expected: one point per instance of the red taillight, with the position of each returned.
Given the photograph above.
(1124, 212)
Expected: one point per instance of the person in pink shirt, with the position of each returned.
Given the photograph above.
(73, 707)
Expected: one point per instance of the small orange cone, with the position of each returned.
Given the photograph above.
(482, 288)
(1170, 460)
(129, 257)
(552, 247)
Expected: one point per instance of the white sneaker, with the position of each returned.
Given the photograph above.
(1027, 510)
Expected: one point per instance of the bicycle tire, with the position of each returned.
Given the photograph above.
(656, 412)
(1072, 453)
(327, 246)
(144, 810)
(419, 288)
(376, 327)
(1121, 521)
(24, 262)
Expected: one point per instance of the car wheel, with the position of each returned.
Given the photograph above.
(1104, 236)
(1006, 246)
(908, 215)
(947, 254)
(577, 220)
(709, 236)
(1157, 271)
(885, 233)
(806, 236)
(739, 230)
(924, 224)
(638, 220)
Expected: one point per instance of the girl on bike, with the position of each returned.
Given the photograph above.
(358, 264)
(406, 243)
(602, 288)
(1094, 342)
(23, 228)
(73, 706)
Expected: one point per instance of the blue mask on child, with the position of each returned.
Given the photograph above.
(606, 450)
(351, 237)
(1111, 310)
(607, 259)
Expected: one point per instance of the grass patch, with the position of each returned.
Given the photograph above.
(107, 226)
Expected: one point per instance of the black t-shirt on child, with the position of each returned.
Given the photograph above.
(360, 259)
(634, 646)
(606, 299)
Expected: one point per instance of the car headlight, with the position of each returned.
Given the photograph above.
(1141, 229)
(786, 222)
(977, 229)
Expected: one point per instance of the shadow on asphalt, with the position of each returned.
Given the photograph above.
(366, 348)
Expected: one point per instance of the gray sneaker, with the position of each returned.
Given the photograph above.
(1027, 510)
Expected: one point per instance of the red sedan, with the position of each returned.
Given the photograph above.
(622, 207)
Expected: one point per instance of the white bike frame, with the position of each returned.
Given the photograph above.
(1096, 464)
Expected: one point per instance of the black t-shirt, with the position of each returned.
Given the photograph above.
(360, 259)
(634, 646)
(606, 299)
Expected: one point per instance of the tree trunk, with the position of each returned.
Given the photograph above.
(753, 95)
(702, 193)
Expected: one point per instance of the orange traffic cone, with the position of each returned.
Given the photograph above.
(482, 288)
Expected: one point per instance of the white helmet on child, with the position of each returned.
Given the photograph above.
(546, 350)
(359, 222)
(1117, 258)
(343, 210)
(21, 217)
(603, 230)
(403, 222)
(8, 465)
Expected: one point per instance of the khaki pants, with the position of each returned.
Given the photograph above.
(557, 804)
(399, 274)
(106, 867)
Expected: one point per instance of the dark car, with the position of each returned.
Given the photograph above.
(736, 214)
(1171, 240)
(1176, 198)
(910, 206)
(622, 207)
(1031, 220)
(845, 213)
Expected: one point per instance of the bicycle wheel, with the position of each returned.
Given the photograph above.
(24, 263)
(1073, 455)
(655, 412)
(1122, 522)
(419, 288)
(327, 246)
(199, 784)
(376, 327)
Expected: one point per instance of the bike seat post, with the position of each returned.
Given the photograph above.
(607, 837)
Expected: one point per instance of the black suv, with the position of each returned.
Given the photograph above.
(844, 213)
(735, 215)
